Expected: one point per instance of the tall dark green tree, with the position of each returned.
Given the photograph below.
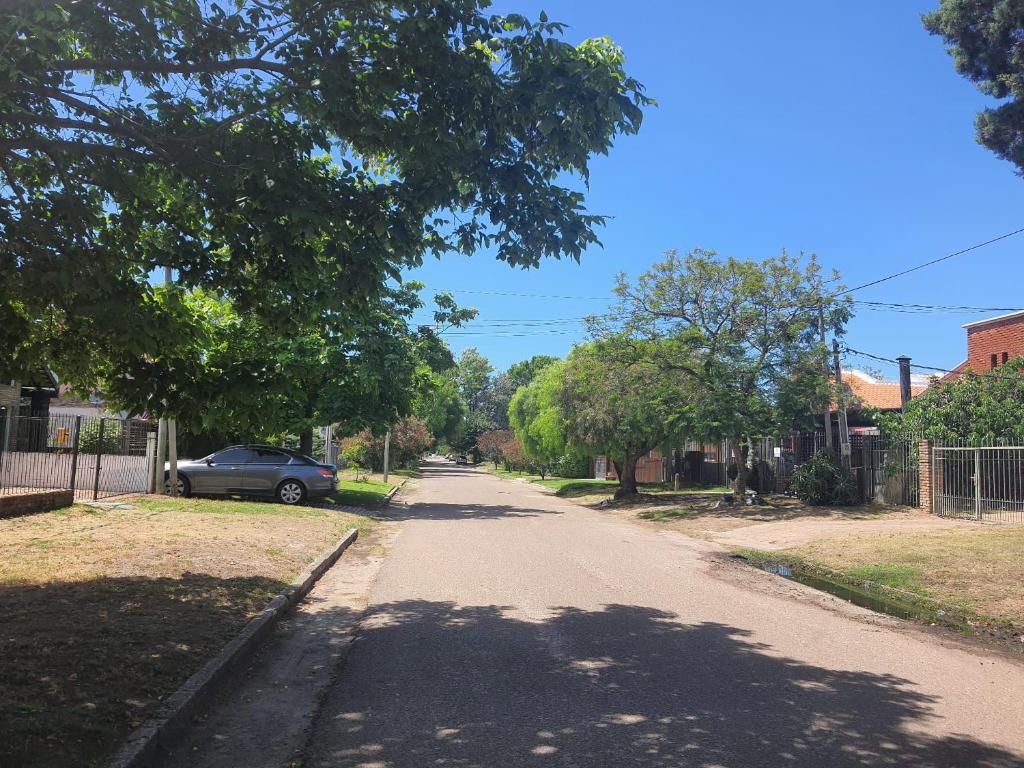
(287, 155)
(984, 39)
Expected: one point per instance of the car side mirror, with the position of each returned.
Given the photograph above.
(209, 462)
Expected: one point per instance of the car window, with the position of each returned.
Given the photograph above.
(233, 456)
(267, 456)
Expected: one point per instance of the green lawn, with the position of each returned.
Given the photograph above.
(360, 493)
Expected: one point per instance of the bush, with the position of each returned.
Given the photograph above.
(822, 480)
(572, 465)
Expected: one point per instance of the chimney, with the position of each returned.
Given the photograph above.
(904, 362)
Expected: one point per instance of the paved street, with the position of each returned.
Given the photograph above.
(511, 628)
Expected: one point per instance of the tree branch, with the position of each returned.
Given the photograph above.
(73, 148)
(169, 67)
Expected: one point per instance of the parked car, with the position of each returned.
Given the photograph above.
(256, 470)
(461, 460)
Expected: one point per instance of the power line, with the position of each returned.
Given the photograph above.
(930, 263)
(892, 306)
(988, 374)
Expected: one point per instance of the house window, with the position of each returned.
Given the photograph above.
(995, 361)
(1006, 357)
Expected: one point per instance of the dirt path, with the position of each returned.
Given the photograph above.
(797, 533)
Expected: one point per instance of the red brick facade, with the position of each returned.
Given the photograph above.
(990, 343)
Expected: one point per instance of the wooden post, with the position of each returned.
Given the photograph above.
(172, 454)
(99, 454)
(387, 453)
(904, 362)
(844, 429)
(161, 454)
(829, 442)
(74, 453)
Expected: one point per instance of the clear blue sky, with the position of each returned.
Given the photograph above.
(834, 128)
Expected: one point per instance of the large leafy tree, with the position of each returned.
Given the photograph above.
(503, 386)
(743, 333)
(984, 39)
(535, 414)
(973, 406)
(617, 398)
(287, 155)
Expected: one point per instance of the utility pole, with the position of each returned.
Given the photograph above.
(829, 442)
(387, 453)
(904, 362)
(171, 429)
(844, 430)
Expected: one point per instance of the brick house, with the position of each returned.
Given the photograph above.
(991, 343)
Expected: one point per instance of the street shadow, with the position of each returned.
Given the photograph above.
(435, 511)
(84, 662)
(433, 684)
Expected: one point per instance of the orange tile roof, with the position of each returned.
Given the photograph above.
(868, 392)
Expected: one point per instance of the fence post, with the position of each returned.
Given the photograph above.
(153, 484)
(925, 471)
(99, 453)
(977, 483)
(74, 453)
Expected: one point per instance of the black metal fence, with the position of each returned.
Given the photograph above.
(885, 467)
(95, 456)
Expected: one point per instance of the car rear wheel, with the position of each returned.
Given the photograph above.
(184, 487)
(291, 492)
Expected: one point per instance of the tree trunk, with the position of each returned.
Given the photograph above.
(739, 456)
(306, 442)
(627, 476)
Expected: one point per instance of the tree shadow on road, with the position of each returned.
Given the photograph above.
(429, 683)
(433, 511)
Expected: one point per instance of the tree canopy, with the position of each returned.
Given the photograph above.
(536, 416)
(744, 334)
(973, 407)
(616, 398)
(983, 37)
(288, 156)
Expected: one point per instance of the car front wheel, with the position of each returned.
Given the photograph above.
(184, 487)
(291, 492)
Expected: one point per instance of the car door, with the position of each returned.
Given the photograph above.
(223, 472)
(264, 471)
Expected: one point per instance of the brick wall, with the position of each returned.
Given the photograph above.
(36, 501)
(997, 338)
(926, 482)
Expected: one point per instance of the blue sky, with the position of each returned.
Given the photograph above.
(834, 128)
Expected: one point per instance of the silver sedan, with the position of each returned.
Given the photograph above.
(256, 470)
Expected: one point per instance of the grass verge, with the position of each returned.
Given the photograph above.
(107, 612)
(966, 577)
(360, 493)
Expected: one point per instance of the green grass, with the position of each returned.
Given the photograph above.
(360, 493)
(226, 507)
(898, 575)
(563, 486)
(658, 515)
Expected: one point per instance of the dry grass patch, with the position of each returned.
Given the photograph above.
(106, 612)
(976, 567)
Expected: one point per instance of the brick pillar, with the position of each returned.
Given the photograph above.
(925, 480)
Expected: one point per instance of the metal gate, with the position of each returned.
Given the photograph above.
(978, 482)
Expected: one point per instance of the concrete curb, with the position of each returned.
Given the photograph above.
(392, 492)
(143, 747)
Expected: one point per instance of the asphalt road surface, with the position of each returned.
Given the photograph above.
(511, 628)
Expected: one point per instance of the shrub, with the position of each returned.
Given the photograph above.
(572, 465)
(822, 480)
